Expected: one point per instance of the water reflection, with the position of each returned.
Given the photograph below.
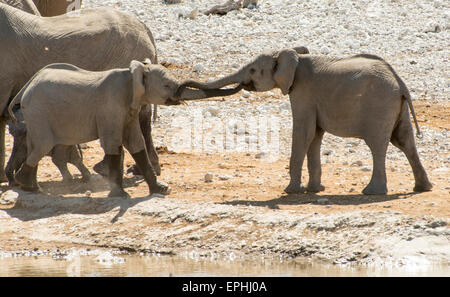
(134, 265)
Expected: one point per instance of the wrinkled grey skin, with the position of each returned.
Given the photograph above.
(359, 96)
(28, 43)
(66, 105)
(60, 154)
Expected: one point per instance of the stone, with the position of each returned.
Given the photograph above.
(208, 177)
(9, 197)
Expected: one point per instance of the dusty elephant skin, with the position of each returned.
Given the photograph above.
(101, 105)
(359, 96)
(61, 154)
(26, 51)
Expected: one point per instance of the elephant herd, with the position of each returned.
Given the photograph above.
(62, 84)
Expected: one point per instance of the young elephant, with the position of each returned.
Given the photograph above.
(66, 105)
(359, 96)
(60, 154)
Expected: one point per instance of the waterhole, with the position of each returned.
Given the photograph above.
(107, 264)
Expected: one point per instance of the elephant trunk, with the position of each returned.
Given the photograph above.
(185, 93)
(237, 77)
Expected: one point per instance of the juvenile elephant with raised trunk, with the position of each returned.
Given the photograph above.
(359, 96)
(29, 43)
(66, 105)
(60, 154)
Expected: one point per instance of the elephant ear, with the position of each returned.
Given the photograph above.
(286, 65)
(137, 73)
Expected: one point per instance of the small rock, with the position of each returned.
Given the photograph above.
(366, 169)
(199, 67)
(208, 177)
(225, 177)
(88, 193)
(9, 197)
(245, 94)
(193, 14)
(324, 50)
(357, 163)
(322, 200)
(260, 155)
(328, 152)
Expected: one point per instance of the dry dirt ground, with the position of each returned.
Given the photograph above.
(253, 184)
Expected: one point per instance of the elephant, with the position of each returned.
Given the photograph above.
(60, 154)
(63, 104)
(29, 42)
(49, 8)
(358, 96)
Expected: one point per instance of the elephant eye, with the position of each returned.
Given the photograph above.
(252, 70)
(262, 71)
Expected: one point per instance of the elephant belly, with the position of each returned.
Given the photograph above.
(72, 131)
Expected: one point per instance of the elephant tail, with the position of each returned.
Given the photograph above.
(407, 97)
(17, 99)
(80, 152)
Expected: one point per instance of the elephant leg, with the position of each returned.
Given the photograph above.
(76, 158)
(86, 175)
(378, 147)
(17, 158)
(314, 166)
(62, 167)
(145, 121)
(115, 176)
(26, 177)
(3, 177)
(59, 158)
(403, 138)
(27, 174)
(303, 133)
(142, 161)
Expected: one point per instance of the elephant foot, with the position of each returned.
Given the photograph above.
(373, 189)
(423, 187)
(294, 188)
(315, 188)
(26, 178)
(160, 188)
(101, 168)
(118, 193)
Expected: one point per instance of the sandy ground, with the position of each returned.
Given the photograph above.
(243, 212)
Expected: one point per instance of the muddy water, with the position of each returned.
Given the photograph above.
(109, 265)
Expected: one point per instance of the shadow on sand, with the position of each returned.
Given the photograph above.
(315, 199)
(35, 206)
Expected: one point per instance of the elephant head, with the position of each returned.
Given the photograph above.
(267, 71)
(152, 84)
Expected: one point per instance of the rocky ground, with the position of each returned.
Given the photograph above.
(227, 160)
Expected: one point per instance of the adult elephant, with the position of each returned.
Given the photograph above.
(359, 96)
(31, 42)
